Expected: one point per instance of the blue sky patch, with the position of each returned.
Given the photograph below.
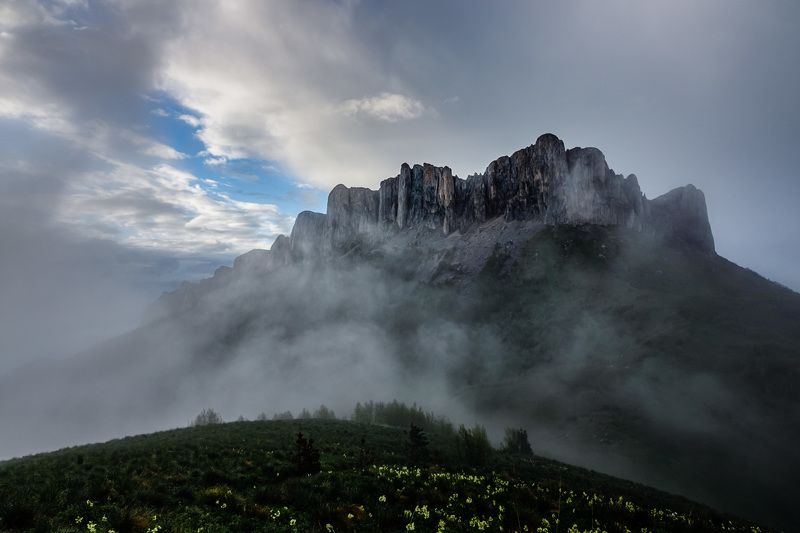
(246, 180)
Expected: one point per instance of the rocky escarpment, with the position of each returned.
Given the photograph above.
(543, 182)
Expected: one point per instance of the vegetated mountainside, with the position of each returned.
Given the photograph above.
(244, 476)
(547, 292)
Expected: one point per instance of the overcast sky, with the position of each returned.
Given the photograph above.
(146, 142)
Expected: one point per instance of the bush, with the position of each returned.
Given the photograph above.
(207, 417)
(516, 441)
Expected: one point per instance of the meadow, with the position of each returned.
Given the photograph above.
(244, 476)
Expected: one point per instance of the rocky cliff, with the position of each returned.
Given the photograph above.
(538, 186)
(543, 182)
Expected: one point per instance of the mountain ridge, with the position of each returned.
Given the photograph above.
(543, 182)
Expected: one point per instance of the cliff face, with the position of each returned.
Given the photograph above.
(543, 182)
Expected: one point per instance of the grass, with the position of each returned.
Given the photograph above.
(240, 477)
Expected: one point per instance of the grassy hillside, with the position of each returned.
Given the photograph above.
(242, 477)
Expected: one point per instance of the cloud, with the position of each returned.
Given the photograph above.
(332, 92)
(190, 120)
(166, 208)
(386, 106)
(86, 91)
(162, 151)
(286, 82)
(215, 161)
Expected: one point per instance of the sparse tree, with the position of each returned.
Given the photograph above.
(286, 415)
(207, 417)
(399, 414)
(262, 416)
(474, 446)
(304, 414)
(323, 413)
(516, 441)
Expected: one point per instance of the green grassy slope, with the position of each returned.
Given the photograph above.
(240, 477)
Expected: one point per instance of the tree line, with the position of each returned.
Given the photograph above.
(472, 444)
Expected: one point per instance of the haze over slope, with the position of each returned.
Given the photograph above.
(546, 292)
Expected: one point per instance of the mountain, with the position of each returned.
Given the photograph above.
(547, 292)
(541, 185)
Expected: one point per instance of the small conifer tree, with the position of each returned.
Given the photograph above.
(417, 444)
(306, 457)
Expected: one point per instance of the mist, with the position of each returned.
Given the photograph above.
(556, 358)
(143, 148)
(298, 339)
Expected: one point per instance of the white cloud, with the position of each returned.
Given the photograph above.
(165, 208)
(390, 107)
(277, 80)
(215, 161)
(190, 120)
(162, 151)
(122, 196)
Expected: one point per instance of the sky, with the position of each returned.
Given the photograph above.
(145, 142)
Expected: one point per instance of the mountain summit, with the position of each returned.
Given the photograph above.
(543, 183)
(447, 228)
